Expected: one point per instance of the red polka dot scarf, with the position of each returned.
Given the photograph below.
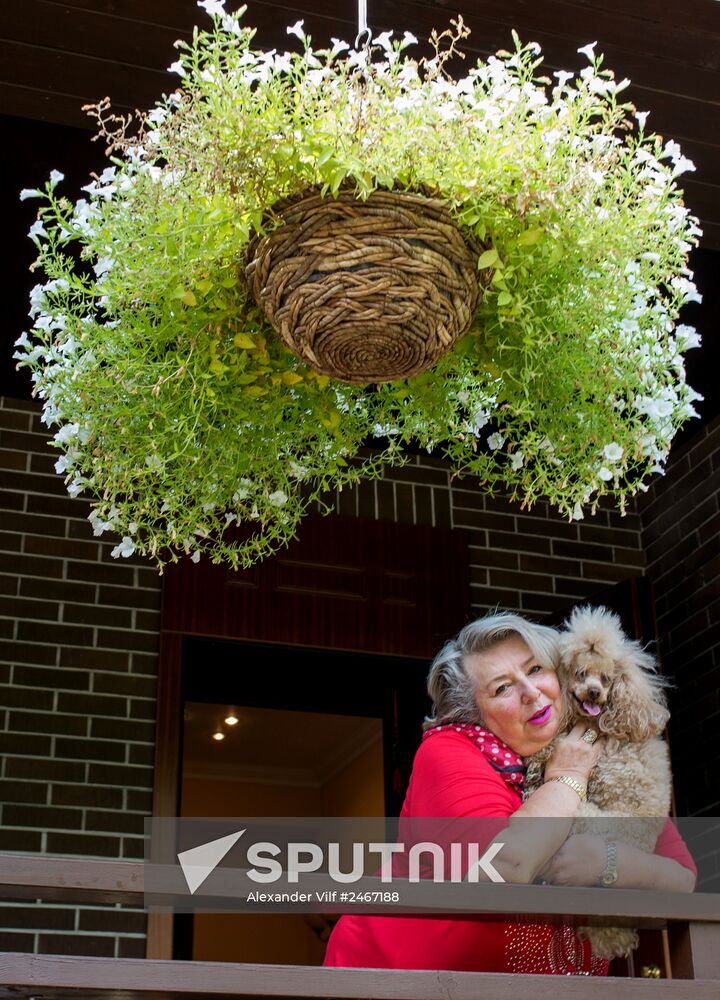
(505, 761)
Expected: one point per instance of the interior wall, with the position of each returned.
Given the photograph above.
(279, 938)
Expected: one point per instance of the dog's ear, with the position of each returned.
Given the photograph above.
(636, 708)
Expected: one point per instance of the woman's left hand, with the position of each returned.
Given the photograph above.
(580, 861)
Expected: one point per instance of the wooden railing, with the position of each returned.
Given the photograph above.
(692, 922)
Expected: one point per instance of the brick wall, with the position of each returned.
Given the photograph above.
(681, 535)
(533, 561)
(79, 638)
(78, 664)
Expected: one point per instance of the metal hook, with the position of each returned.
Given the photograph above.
(359, 39)
(362, 26)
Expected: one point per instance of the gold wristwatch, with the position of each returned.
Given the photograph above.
(609, 875)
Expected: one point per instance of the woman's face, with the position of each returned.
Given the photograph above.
(519, 700)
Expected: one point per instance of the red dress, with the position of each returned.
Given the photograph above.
(452, 777)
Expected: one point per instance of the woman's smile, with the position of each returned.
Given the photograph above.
(541, 716)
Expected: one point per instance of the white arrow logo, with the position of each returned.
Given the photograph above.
(485, 864)
(199, 862)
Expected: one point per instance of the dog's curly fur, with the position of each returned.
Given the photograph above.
(601, 668)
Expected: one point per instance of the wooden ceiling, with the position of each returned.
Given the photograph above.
(56, 56)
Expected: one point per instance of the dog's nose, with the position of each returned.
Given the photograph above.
(593, 694)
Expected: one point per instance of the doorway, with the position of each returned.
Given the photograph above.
(274, 730)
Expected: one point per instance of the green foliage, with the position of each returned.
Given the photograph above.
(179, 409)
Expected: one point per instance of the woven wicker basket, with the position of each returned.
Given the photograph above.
(366, 291)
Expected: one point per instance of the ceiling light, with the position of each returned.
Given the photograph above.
(218, 736)
(231, 720)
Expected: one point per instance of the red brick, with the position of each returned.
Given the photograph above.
(30, 565)
(24, 745)
(85, 844)
(13, 421)
(22, 608)
(119, 774)
(48, 722)
(114, 822)
(24, 841)
(91, 704)
(45, 817)
(131, 947)
(75, 635)
(43, 916)
(84, 749)
(17, 697)
(121, 639)
(94, 659)
(127, 684)
(125, 921)
(91, 614)
(77, 944)
(87, 795)
(404, 503)
(16, 460)
(441, 509)
(61, 548)
(519, 542)
(23, 791)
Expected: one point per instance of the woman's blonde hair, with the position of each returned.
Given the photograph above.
(450, 686)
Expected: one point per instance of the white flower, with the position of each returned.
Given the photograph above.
(36, 230)
(516, 460)
(338, 46)
(687, 337)
(641, 117)
(296, 470)
(176, 67)
(278, 498)
(577, 514)
(297, 30)
(605, 474)
(613, 452)
(56, 177)
(408, 39)
(215, 8)
(30, 193)
(384, 40)
(195, 557)
(103, 265)
(495, 441)
(589, 51)
(124, 549)
(67, 433)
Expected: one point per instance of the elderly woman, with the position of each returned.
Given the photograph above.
(496, 700)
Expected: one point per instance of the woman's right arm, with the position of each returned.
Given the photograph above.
(542, 823)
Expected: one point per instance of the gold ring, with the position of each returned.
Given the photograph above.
(589, 736)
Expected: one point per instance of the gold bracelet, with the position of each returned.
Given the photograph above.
(574, 784)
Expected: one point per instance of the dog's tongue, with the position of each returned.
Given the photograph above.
(590, 708)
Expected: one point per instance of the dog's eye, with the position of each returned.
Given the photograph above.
(582, 674)
(604, 678)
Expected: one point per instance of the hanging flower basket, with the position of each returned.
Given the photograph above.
(299, 253)
(366, 291)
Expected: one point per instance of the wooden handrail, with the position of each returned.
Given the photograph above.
(693, 922)
(31, 876)
(54, 976)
